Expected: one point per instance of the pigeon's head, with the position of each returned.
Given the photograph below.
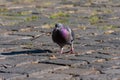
(58, 25)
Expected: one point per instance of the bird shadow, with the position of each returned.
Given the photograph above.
(27, 52)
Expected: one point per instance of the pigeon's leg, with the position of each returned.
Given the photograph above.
(72, 48)
(61, 50)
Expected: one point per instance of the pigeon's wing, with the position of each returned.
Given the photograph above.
(71, 34)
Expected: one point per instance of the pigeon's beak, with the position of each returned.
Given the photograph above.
(58, 28)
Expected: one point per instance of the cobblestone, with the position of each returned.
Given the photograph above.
(27, 51)
(53, 76)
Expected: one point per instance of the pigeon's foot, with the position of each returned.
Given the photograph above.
(72, 51)
(69, 52)
(61, 50)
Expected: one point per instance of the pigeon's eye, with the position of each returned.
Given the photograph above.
(56, 25)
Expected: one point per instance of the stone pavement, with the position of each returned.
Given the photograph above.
(27, 51)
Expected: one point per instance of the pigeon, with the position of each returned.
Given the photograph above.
(63, 35)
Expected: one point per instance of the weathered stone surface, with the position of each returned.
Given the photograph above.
(10, 76)
(77, 71)
(65, 62)
(21, 59)
(83, 58)
(52, 76)
(99, 77)
(112, 71)
(33, 68)
(27, 51)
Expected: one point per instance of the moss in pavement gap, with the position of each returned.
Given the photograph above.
(94, 19)
(3, 9)
(58, 15)
(109, 27)
(31, 18)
